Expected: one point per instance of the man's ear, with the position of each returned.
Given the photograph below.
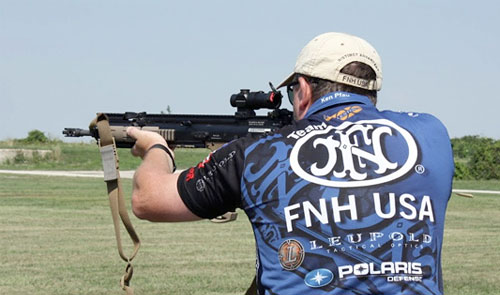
(305, 97)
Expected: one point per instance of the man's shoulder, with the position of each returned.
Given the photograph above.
(409, 114)
(414, 118)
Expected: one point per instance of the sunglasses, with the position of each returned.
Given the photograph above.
(289, 89)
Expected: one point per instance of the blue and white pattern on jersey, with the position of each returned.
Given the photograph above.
(346, 189)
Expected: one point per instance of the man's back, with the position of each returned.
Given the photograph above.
(349, 200)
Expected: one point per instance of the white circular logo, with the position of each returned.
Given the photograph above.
(349, 147)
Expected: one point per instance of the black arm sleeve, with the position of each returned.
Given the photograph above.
(212, 188)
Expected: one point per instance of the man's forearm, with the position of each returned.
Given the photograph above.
(150, 177)
(155, 195)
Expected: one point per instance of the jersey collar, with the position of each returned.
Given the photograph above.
(336, 98)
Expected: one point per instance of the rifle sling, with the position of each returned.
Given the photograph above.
(115, 192)
(111, 170)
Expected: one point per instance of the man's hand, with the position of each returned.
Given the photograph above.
(144, 140)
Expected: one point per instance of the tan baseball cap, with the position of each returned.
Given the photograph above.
(325, 55)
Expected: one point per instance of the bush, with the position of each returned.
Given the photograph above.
(462, 171)
(36, 136)
(485, 161)
(476, 158)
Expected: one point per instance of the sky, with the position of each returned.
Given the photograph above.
(61, 62)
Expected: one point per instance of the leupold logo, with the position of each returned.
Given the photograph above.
(345, 164)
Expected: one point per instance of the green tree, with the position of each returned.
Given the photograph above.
(462, 171)
(485, 161)
(464, 147)
(36, 136)
(476, 157)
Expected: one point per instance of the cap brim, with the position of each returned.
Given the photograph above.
(287, 81)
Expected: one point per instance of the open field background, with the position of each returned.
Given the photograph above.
(56, 237)
(83, 156)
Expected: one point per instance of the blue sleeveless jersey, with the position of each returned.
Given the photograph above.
(348, 200)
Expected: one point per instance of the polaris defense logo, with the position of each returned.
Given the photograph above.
(349, 148)
(393, 271)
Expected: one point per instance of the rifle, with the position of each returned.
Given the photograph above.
(199, 131)
(190, 131)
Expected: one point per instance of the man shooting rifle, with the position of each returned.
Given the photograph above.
(345, 200)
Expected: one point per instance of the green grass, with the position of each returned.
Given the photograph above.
(56, 237)
(86, 156)
(471, 248)
(493, 185)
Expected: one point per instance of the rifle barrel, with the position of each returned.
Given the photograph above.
(76, 132)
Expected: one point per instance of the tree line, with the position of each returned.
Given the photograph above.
(476, 157)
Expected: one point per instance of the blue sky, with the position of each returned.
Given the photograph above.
(63, 61)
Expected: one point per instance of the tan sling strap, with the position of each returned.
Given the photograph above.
(111, 170)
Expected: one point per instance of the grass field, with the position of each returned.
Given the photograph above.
(85, 156)
(471, 249)
(57, 238)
